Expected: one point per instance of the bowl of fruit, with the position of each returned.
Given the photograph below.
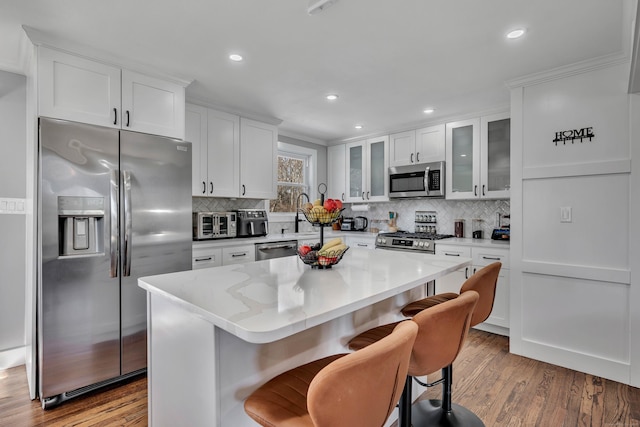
(319, 212)
(323, 256)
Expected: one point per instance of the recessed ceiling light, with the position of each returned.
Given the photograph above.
(235, 57)
(428, 110)
(358, 126)
(332, 97)
(463, 155)
(517, 33)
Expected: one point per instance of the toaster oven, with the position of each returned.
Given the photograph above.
(214, 225)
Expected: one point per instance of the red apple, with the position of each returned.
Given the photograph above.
(338, 203)
(330, 205)
(304, 249)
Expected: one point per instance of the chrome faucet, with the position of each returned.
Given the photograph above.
(298, 208)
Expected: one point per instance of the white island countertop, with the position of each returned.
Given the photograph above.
(265, 301)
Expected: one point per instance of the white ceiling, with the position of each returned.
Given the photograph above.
(387, 59)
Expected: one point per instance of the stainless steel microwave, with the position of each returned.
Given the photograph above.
(214, 225)
(418, 180)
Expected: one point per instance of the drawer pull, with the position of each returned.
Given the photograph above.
(448, 254)
(238, 254)
(491, 258)
(204, 259)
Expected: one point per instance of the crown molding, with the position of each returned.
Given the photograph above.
(40, 38)
(226, 109)
(581, 67)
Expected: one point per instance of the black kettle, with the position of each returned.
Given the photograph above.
(360, 223)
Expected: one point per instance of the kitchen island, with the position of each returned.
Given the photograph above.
(216, 334)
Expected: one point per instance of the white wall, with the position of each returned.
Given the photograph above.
(12, 226)
(571, 281)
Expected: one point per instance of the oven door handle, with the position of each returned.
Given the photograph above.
(426, 179)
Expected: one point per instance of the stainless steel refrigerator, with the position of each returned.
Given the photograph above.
(114, 206)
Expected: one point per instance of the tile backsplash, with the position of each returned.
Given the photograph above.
(378, 213)
(447, 212)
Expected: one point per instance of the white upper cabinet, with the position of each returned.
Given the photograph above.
(336, 172)
(430, 144)
(477, 158)
(82, 90)
(417, 146)
(232, 156)
(366, 170)
(195, 132)
(152, 105)
(77, 89)
(223, 155)
(258, 159)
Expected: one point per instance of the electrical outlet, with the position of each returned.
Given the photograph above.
(565, 214)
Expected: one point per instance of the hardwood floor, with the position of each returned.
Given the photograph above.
(501, 388)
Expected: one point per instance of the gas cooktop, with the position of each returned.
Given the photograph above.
(409, 241)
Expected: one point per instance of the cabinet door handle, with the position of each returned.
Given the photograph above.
(491, 258)
(411, 158)
(418, 157)
(475, 190)
(204, 259)
(211, 184)
(115, 116)
(466, 272)
(343, 197)
(204, 187)
(448, 254)
(367, 195)
(483, 189)
(128, 117)
(363, 195)
(243, 189)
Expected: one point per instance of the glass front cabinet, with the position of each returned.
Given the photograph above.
(478, 158)
(367, 164)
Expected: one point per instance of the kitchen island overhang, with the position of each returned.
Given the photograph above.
(224, 331)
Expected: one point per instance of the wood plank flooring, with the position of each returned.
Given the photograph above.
(501, 388)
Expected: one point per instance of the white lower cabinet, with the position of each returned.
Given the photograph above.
(365, 242)
(238, 254)
(498, 321)
(206, 257)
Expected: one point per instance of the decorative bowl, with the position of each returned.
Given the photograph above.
(326, 260)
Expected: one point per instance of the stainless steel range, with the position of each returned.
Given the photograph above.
(421, 241)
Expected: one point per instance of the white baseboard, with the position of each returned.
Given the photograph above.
(12, 357)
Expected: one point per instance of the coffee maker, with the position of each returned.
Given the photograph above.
(252, 223)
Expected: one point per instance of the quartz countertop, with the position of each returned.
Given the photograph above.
(278, 237)
(486, 243)
(264, 301)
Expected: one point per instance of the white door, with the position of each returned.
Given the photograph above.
(430, 144)
(223, 156)
(258, 157)
(402, 148)
(77, 89)
(196, 133)
(151, 105)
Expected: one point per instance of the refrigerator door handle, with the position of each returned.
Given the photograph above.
(126, 182)
(113, 248)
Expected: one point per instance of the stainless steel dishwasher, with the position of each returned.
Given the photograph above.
(276, 249)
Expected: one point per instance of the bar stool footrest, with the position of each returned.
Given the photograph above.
(430, 413)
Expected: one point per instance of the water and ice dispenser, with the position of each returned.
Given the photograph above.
(81, 225)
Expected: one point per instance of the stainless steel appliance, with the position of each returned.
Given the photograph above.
(252, 223)
(402, 240)
(276, 249)
(214, 225)
(347, 224)
(360, 223)
(419, 180)
(114, 206)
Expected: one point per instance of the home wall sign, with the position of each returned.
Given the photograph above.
(574, 134)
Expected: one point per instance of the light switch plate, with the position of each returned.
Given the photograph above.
(12, 206)
(565, 214)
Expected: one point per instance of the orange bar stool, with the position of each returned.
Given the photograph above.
(442, 330)
(356, 389)
(483, 282)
